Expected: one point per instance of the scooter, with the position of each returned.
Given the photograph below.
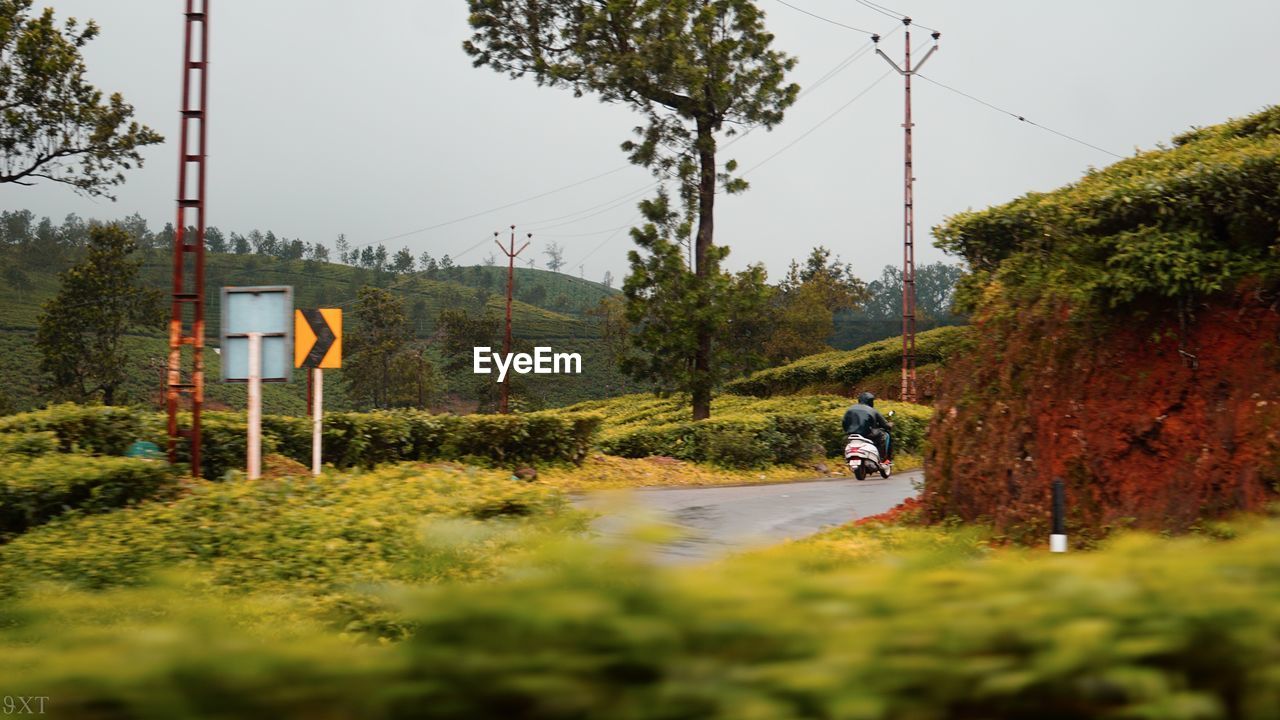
(864, 458)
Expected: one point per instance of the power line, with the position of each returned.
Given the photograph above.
(1020, 118)
(890, 12)
(492, 210)
(856, 55)
(824, 121)
(825, 19)
(607, 240)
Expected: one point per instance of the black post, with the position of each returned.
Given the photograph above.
(1058, 538)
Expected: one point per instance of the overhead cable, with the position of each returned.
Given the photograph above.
(1020, 118)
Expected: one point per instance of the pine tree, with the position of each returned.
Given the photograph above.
(55, 125)
(695, 70)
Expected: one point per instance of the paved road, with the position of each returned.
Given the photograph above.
(717, 520)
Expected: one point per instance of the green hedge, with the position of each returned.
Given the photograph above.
(291, 535)
(743, 432)
(30, 444)
(738, 443)
(350, 439)
(846, 370)
(1172, 629)
(89, 428)
(1169, 224)
(36, 490)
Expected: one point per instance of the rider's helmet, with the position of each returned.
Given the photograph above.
(867, 398)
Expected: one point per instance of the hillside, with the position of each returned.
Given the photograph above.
(319, 284)
(1130, 343)
(876, 366)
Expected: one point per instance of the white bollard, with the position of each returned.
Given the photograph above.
(317, 412)
(254, 451)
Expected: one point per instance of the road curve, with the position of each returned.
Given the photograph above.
(717, 520)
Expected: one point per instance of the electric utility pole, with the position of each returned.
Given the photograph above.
(908, 219)
(511, 252)
(186, 323)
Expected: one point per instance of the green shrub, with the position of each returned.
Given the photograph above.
(28, 443)
(745, 432)
(1174, 223)
(349, 439)
(98, 429)
(36, 490)
(736, 447)
(303, 534)
(847, 370)
(1147, 628)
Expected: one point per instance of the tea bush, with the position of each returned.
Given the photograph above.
(1176, 223)
(90, 428)
(30, 444)
(34, 490)
(929, 626)
(349, 439)
(845, 371)
(324, 548)
(743, 432)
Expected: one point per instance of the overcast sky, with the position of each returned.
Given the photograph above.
(366, 118)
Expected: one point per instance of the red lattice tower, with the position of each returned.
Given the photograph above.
(186, 325)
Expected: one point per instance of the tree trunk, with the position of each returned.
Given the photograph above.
(701, 385)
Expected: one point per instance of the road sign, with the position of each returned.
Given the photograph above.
(317, 338)
(268, 311)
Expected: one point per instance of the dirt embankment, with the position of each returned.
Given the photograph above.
(1149, 426)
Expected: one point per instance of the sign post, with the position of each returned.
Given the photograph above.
(256, 337)
(318, 345)
(254, 451)
(316, 420)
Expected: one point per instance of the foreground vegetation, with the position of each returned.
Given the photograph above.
(883, 622)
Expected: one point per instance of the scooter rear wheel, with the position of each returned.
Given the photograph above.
(860, 472)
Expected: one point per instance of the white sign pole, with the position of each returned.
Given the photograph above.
(255, 406)
(317, 410)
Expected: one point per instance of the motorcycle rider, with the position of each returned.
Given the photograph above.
(865, 420)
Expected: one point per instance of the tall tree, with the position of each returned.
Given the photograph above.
(667, 306)
(402, 263)
(803, 309)
(54, 125)
(214, 240)
(381, 334)
(342, 246)
(459, 332)
(692, 68)
(555, 256)
(81, 330)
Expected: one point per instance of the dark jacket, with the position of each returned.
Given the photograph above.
(862, 419)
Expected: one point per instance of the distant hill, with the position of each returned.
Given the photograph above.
(553, 312)
(875, 366)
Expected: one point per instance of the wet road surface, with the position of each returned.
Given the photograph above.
(717, 520)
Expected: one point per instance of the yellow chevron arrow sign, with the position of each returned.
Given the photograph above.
(317, 338)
